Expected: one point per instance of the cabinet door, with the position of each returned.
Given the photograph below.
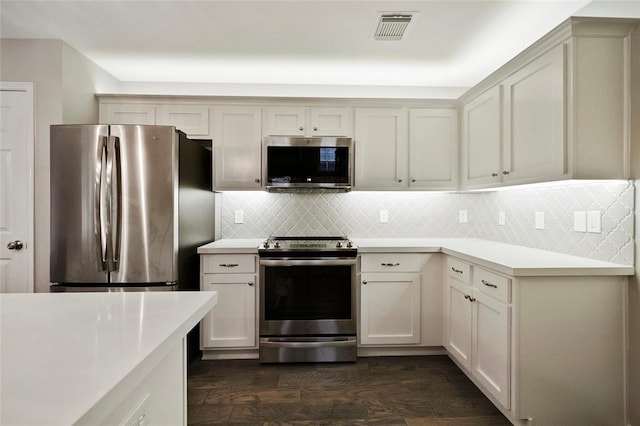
(285, 121)
(481, 139)
(534, 120)
(390, 308)
(237, 147)
(329, 122)
(232, 322)
(381, 148)
(491, 343)
(459, 319)
(191, 119)
(127, 114)
(433, 153)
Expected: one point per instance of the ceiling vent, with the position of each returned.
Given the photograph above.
(392, 26)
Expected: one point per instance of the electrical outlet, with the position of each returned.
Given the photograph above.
(594, 222)
(384, 216)
(239, 216)
(502, 218)
(539, 219)
(580, 221)
(463, 216)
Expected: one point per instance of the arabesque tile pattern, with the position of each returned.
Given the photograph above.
(435, 214)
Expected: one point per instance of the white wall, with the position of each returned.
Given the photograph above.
(64, 87)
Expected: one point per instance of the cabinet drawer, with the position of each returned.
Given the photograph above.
(458, 270)
(491, 284)
(392, 262)
(228, 264)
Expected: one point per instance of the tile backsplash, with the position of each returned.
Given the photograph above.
(435, 214)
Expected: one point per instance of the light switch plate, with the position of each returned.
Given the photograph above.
(384, 216)
(539, 216)
(594, 222)
(580, 221)
(239, 216)
(463, 216)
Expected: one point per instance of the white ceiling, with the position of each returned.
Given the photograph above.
(450, 44)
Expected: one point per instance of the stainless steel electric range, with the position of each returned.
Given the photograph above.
(308, 299)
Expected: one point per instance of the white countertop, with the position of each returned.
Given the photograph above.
(248, 245)
(506, 258)
(62, 353)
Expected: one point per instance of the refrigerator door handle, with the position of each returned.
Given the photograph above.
(98, 207)
(109, 201)
(118, 207)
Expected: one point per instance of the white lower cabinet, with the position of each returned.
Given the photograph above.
(390, 308)
(478, 330)
(232, 323)
(400, 300)
(490, 361)
(528, 342)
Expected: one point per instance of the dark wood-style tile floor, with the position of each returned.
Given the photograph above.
(425, 390)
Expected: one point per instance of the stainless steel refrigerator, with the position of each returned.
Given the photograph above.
(129, 206)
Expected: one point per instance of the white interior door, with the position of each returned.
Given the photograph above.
(16, 187)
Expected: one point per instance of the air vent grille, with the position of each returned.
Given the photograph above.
(392, 26)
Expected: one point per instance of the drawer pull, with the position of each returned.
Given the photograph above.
(364, 282)
(228, 265)
(457, 271)
(469, 298)
(488, 284)
(250, 283)
(390, 264)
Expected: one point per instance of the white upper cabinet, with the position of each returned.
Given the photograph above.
(237, 147)
(381, 148)
(534, 120)
(481, 138)
(559, 110)
(433, 148)
(514, 132)
(191, 119)
(398, 148)
(127, 113)
(301, 121)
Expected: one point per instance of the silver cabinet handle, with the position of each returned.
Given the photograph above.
(390, 264)
(256, 180)
(250, 283)
(364, 281)
(15, 245)
(505, 172)
(228, 265)
(488, 284)
(457, 271)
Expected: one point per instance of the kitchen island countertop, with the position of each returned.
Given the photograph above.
(69, 358)
(509, 259)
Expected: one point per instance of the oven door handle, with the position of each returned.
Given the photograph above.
(293, 343)
(307, 262)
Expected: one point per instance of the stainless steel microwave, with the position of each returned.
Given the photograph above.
(291, 163)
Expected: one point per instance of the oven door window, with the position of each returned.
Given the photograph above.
(307, 292)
